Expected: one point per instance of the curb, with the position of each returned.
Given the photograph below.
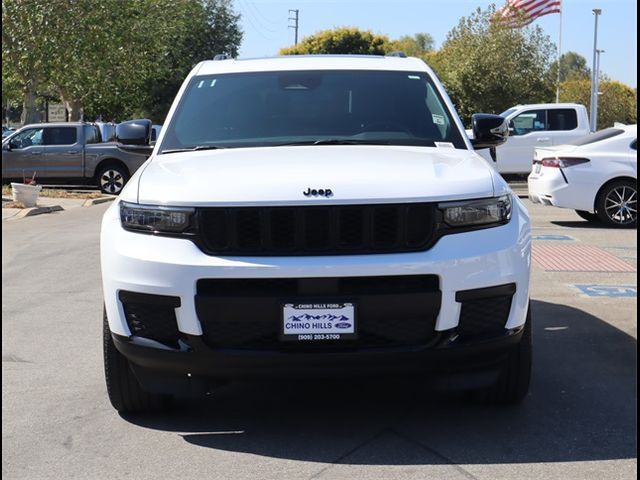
(96, 201)
(29, 212)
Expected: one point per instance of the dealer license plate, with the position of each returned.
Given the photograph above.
(318, 321)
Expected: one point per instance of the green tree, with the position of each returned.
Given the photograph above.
(487, 67)
(617, 102)
(414, 46)
(24, 50)
(200, 31)
(112, 57)
(573, 66)
(343, 40)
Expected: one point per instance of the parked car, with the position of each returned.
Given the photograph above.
(532, 126)
(595, 175)
(69, 152)
(315, 215)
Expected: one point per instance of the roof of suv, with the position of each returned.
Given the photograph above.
(312, 62)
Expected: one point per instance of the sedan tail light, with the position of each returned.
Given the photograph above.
(563, 162)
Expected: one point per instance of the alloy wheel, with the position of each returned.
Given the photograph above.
(621, 204)
(111, 181)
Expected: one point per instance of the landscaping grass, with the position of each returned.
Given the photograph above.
(13, 205)
(58, 193)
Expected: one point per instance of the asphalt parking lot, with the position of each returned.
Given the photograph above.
(579, 420)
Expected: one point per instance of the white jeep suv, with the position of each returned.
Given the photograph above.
(314, 215)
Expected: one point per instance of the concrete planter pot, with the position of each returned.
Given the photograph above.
(25, 194)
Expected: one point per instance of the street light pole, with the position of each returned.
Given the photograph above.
(597, 88)
(595, 74)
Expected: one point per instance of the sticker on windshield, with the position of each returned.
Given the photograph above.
(443, 145)
(437, 119)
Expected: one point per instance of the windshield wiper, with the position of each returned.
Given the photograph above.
(193, 149)
(335, 141)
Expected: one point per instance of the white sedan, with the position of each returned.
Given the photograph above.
(595, 175)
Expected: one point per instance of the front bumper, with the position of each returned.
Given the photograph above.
(172, 267)
(198, 369)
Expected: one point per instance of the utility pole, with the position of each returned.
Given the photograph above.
(295, 23)
(595, 74)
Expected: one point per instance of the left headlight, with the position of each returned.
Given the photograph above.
(477, 213)
(155, 219)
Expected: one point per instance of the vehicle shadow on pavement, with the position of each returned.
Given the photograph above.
(582, 224)
(581, 406)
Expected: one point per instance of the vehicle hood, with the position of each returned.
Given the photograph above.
(280, 175)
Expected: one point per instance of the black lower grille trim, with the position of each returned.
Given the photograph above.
(390, 311)
(151, 316)
(484, 311)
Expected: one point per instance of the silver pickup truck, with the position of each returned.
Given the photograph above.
(69, 153)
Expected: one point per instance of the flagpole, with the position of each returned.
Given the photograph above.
(559, 55)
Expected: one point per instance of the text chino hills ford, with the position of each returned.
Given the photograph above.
(314, 216)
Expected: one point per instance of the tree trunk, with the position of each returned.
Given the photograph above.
(30, 112)
(74, 107)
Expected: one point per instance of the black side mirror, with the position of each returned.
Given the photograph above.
(488, 130)
(134, 132)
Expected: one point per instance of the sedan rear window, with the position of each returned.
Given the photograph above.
(597, 137)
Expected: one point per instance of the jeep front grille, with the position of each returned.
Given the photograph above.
(317, 230)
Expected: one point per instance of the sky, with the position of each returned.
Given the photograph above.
(265, 25)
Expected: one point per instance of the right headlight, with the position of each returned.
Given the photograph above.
(477, 213)
(155, 219)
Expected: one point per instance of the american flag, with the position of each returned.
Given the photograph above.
(518, 13)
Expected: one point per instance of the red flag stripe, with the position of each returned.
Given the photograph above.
(532, 9)
(519, 13)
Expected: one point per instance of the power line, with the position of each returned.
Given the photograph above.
(256, 27)
(261, 16)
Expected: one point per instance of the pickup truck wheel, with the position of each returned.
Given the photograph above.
(617, 204)
(513, 384)
(111, 179)
(124, 390)
(588, 216)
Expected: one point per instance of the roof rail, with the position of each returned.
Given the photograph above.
(221, 56)
(397, 53)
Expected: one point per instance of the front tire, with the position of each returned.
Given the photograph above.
(125, 393)
(617, 204)
(112, 179)
(513, 384)
(588, 216)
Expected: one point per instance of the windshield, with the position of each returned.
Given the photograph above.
(508, 112)
(307, 107)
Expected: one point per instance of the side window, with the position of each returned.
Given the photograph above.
(61, 136)
(91, 134)
(562, 119)
(28, 138)
(529, 121)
